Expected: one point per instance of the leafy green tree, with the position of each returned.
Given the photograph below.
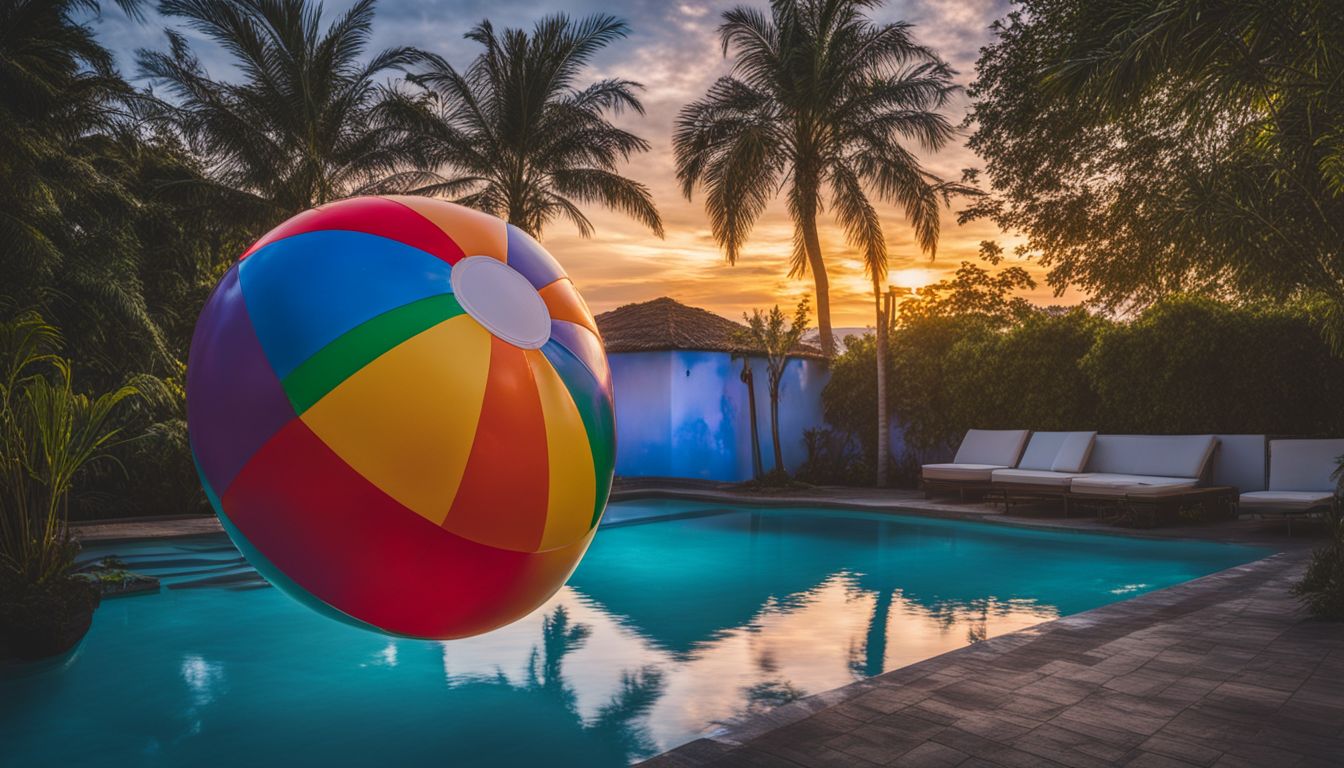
(821, 98)
(973, 292)
(1162, 146)
(520, 137)
(306, 121)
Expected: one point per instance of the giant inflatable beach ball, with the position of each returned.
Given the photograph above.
(401, 410)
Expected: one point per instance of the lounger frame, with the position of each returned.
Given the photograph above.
(960, 487)
(1332, 507)
(1213, 501)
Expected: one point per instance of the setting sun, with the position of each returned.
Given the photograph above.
(913, 278)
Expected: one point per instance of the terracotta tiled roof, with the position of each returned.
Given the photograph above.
(664, 324)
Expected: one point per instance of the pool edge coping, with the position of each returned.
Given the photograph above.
(901, 507)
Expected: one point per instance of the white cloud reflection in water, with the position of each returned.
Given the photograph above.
(805, 644)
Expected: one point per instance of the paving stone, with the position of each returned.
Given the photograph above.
(1258, 756)
(1252, 699)
(1154, 760)
(971, 695)
(988, 750)
(931, 754)
(875, 743)
(1033, 707)
(1069, 748)
(1142, 682)
(996, 726)
(1189, 689)
(1189, 751)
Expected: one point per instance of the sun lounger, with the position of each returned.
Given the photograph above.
(1154, 471)
(981, 452)
(1300, 479)
(1050, 462)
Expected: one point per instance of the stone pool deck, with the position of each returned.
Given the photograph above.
(1270, 533)
(147, 528)
(1226, 670)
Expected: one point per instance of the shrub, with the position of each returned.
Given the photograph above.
(833, 458)
(1322, 586)
(1195, 365)
(1185, 365)
(1027, 375)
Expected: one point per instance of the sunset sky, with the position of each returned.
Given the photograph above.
(674, 51)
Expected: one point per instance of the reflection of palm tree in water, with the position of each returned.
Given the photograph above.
(558, 639)
(615, 720)
(768, 693)
(872, 660)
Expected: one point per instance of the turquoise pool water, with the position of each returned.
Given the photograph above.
(682, 616)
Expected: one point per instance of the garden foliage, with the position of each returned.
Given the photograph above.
(1185, 365)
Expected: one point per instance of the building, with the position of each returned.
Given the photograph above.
(681, 406)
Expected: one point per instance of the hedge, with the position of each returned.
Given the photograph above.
(1185, 365)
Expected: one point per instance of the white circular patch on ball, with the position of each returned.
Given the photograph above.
(502, 300)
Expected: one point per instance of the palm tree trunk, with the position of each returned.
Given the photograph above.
(756, 469)
(812, 246)
(882, 446)
(774, 423)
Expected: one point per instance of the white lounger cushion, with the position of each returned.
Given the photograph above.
(1184, 456)
(1303, 465)
(1042, 450)
(959, 472)
(1043, 478)
(1290, 500)
(1074, 452)
(993, 447)
(1057, 451)
(1130, 485)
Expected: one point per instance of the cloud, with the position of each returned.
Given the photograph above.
(673, 50)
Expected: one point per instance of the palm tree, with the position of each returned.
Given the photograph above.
(820, 99)
(305, 123)
(67, 214)
(518, 137)
(772, 335)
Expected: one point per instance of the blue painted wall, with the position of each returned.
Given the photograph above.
(684, 414)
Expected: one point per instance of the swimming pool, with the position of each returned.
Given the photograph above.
(682, 616)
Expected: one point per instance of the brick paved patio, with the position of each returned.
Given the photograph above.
(1226, 670)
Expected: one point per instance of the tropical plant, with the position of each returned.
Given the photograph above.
(772, 335)
(820, 98)
(49, 434)
(1164, 146)
(517, 135)
(306, 122)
